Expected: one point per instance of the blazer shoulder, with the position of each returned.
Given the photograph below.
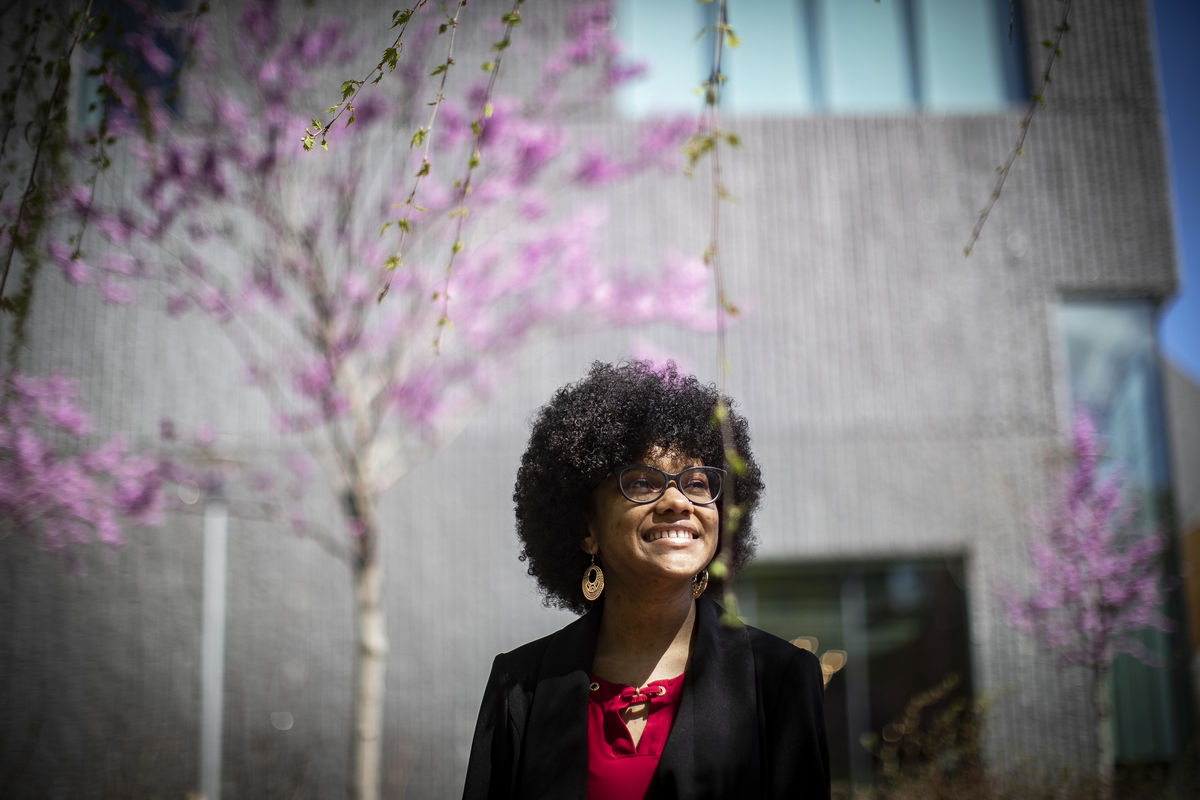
(530, 657)
(773, 655)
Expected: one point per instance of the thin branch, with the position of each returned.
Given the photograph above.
(422, 138)
(61, 77)
(1038, 100)
(511, 20)
(351, 88)
(709, 142)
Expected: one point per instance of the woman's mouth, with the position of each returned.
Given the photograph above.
(670, 533)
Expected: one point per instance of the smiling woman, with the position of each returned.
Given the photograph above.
(618, 505)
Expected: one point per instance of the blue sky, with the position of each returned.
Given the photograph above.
(1177, 24)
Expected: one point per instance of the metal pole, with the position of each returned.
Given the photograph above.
(212, 646)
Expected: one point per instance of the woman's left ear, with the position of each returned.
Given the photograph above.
(589, 543)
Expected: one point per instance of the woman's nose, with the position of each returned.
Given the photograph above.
(673, 497)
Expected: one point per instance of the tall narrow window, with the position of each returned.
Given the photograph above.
(1113, 371)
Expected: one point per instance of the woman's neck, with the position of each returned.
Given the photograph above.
(643, 639)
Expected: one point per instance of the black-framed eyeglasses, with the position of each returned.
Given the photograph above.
(642, 483)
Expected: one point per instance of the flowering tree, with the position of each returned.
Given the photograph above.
(1097, 577)
(226, 217)
(55, 478)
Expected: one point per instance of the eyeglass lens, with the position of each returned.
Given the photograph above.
(645, 484)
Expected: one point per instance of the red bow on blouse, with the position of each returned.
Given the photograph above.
(632, 697)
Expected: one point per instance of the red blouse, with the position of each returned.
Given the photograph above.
(616, 769)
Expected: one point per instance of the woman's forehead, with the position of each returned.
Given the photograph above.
(669, 458)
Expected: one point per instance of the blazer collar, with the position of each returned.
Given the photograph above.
(554, 758)
(713, 747)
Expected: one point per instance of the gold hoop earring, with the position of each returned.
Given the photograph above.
(700, 583)
(593, 580)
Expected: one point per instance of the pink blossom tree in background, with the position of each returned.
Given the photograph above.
(59, 480)
(1097, 578)
(225, 217)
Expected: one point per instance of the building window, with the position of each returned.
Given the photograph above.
(147, 59)
(1112, 367)
(836, 56)
(901, 623)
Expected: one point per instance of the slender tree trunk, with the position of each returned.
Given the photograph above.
(370, 665)
(1102, 703)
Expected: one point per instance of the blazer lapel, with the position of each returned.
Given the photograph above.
(554, 760)
(713, 748)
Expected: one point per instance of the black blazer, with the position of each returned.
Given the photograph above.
(750, 723)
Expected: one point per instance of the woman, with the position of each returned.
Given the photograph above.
(649, 693)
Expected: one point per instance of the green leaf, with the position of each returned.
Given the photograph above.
(404, 224)
(390, 56)
(512, 18)
(419, 137)
(458, 246)
(347, 89)
(401, 17)
(439, 69)
(424, 170)
(489, 66)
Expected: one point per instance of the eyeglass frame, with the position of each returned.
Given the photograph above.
(675, 476)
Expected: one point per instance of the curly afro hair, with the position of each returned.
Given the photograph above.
(615, 416)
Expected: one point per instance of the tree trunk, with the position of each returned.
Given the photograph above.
(1102, 703)
(370, 665)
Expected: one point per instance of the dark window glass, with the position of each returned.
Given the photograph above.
(902, 625)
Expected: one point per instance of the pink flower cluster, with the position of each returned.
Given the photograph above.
(1098, 578)
(53, 482)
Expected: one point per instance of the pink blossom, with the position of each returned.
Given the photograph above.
(314, 379)
(62, 488)
(143, 42)
(203, 435)
(177, 303)
(121, 264)
(119, 293)
(597, 168)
